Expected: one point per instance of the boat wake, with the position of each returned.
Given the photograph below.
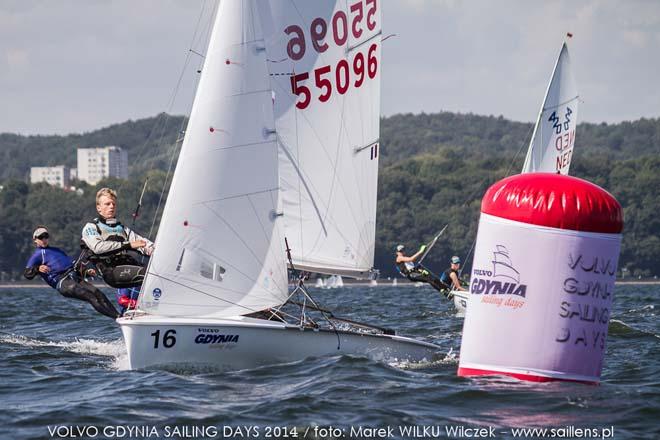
(114, 349)
(648, 308)
(619, 328)
(449, 359)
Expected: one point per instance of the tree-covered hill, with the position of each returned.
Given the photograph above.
(146, 140)
(434, 170)
(405, 135)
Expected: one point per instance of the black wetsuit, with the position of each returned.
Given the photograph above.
(65, 280)
(420, 273)
(121, 271)
(72, 287)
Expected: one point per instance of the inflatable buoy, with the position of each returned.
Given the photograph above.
(542, 280)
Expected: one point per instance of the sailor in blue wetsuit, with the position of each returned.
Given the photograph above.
(117, 251)
(56, 269)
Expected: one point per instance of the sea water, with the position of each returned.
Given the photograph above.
(64, 374)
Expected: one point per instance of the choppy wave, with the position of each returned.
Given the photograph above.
(78, 345)
(618, 328)
(113, 349)
(73, 370)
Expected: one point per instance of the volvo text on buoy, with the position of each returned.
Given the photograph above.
(542, 280)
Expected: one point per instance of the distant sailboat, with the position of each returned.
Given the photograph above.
(282, 142)
(334, 281)
(551, 146)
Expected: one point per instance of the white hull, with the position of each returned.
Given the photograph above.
(461, 299)
(241, 343)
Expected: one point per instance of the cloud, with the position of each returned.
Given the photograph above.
(106, 62)
(17, 59)
(635, 38)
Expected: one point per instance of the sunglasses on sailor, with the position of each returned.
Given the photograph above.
(43, 236)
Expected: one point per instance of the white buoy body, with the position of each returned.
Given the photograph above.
(542, 280)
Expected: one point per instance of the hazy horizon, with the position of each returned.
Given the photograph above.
(382, 116)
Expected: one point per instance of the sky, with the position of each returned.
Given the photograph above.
(71, 66)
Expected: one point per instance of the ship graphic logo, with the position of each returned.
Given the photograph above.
(504, 279)
(502, 265)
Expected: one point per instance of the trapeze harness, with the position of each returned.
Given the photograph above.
(404, 269)
(418, 273)
(120, 268)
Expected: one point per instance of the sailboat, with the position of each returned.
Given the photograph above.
(286, 89)
(334, 282)
(551, 146)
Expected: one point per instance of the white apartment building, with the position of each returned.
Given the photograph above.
(56, 176)
(95, 164)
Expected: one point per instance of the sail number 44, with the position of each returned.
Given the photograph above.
(169, 338)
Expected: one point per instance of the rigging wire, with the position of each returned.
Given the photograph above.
(171, 102)
(301, 287)
(166, 117)
(506, 174)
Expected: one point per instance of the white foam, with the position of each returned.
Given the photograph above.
(114, 349)
(449, 359)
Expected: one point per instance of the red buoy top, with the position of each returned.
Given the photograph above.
(555, 201)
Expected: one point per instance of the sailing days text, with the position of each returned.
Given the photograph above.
(362, 66)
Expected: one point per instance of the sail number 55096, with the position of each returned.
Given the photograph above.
(342, 77)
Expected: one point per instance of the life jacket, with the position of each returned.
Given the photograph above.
(445, 278)
(109, 232)
(114, 232)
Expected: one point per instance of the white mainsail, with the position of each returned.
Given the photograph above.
(551, 147)
(324, 61)
(219, 250)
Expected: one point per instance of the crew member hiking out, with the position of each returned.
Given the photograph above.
(115, 249)
(417, 272)
(57, 269)
(450, 276)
